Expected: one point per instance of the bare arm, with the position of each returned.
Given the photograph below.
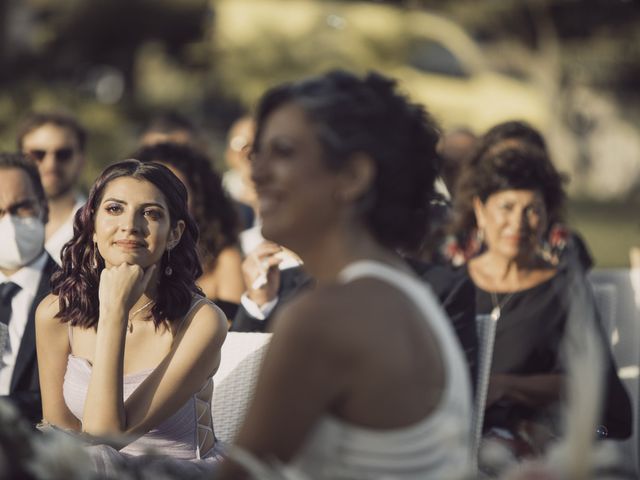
(193, 358)
(529, 390)
(303, 374)
(52, 344)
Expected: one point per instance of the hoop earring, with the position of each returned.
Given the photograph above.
(168, 271)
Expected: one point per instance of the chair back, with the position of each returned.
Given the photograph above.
(235, 381)
(617, 296)
(486, 328)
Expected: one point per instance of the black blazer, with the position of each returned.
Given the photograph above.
(24, 391)
(453, 287)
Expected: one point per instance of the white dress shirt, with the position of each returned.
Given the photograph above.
(28, 278)
(64, 233)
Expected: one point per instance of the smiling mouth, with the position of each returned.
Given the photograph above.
(129, 244)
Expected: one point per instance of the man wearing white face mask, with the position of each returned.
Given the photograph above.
(25, 270)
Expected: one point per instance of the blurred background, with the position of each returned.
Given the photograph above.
(570, 67)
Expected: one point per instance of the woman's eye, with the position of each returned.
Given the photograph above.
(113, 208)
(152, 214)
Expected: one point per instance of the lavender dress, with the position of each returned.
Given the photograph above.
(175, 445)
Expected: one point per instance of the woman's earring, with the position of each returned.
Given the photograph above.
(168, 271)
(480, 236)
(94, 259)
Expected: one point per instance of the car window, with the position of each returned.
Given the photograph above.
(431, 56)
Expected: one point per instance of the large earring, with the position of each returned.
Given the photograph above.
(94, 258)
(168, 271)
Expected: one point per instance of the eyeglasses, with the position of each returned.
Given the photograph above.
(24, 208)
(61, 155)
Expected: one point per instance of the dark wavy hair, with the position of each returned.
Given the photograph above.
(76, 284)
(212, 208)
(366, 115)
(521, 166)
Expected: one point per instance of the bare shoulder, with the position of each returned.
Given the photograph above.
(326, 316)
(230, 255)
(208, 322)
(47, 311)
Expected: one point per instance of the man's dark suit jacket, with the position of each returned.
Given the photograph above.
(454, 289)
(24, 391)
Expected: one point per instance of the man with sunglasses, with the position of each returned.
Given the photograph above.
(25, 271)
(56, 143)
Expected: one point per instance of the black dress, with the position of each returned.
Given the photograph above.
(528, 341)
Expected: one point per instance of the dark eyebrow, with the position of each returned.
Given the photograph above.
(153, 204)
(111, 199)
(148, 204)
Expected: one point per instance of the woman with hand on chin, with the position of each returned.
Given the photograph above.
(364, 377)
(127, 345)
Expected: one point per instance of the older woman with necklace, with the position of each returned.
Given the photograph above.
(508, 196)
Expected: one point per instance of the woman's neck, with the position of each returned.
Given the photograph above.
(495, 272)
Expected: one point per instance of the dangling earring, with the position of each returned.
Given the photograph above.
(168, 271)
(94, 258)
(480, 236)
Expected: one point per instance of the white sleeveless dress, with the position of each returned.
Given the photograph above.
(435, 447)
(175, 444)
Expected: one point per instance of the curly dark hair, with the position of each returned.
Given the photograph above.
(505, 135)
(76, 284)
(520, 166)
(366, 115)
(211, 207)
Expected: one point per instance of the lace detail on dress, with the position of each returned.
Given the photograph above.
(204, 421)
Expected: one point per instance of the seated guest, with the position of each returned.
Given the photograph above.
(454, 290)
(25, 270)
(127, 344)
(559, 242)
(237, 179)
(509, 195)
(215, 216)
(56, 143)
(364, 377)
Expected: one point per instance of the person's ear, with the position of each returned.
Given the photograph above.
(175, 234)
(356, 177)
(478, 210)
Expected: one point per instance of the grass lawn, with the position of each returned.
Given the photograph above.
(609, 229)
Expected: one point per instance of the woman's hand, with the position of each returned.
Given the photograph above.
(121, 286)
(261, 272)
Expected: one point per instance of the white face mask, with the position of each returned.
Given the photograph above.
(21, 241)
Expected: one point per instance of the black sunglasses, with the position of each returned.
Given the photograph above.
(61, 155)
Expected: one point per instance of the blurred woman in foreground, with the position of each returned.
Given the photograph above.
(364, 377)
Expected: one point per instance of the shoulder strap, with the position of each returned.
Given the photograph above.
(196, 301)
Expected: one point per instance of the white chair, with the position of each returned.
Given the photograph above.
(235, 380)
(486, 329)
